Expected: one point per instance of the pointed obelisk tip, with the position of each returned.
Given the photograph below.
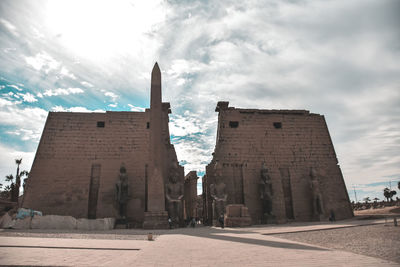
(156, 68)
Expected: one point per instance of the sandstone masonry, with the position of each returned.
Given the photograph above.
(289, 143)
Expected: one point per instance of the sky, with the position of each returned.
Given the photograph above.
(336, 58)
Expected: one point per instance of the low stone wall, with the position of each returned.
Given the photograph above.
(59, 222)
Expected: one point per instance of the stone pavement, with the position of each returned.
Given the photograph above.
(202, 246)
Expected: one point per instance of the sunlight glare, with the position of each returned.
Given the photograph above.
(103, 29)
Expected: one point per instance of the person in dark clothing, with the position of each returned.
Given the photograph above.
(332, 217)
(221, 220)
(170, 222)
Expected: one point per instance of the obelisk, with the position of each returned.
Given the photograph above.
(156, 216)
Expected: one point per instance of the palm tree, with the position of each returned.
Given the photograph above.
(17, 178)
(17, 185)
(375, 199)
(8, 189)
(386, 193)
(9, 178)
(389, 194)
(398, 185)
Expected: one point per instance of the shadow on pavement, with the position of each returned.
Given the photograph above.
(219, 234)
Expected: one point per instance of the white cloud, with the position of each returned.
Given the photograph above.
(43, 61)
(87, 84)
(15, 87)
(28, 122)
(62, 91)
(75, 109)
(4, 102)
(193, 138)
(28, 97)
(134, 108)
(113, 105)
(10, 27)
(111, 95)
(65, 72)
(182, 125)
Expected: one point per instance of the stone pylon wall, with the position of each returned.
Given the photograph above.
(290, 142)
(72, 143)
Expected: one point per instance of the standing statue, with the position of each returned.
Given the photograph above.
(174, 195)
(265, 190)
(318, 207)
(122, 192)
(218, 193)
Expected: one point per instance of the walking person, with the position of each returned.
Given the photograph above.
(221, 220)
(170, 222)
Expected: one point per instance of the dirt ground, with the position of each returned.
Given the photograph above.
(395, 210)
(381, 241)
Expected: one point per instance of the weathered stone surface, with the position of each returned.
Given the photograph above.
(174, 193)
(289, 142)
(5, 221)
(237, 215)
(156, 220)
(191, 202)
(53, 222)
(21, 223)
(95, 225)
(79, 158)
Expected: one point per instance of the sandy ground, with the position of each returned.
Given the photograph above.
(381, 241)
(389, 211)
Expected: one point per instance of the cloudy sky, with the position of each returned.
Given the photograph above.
(337, 58)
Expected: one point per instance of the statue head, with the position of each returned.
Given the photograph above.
(122, 169)
(313, 173)
(264, 172)
(172, 178)
(217, 171)
(264, 166)
(173, 172)
(122, 173)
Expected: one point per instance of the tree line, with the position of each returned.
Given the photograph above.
(387, 193)
(11, 191)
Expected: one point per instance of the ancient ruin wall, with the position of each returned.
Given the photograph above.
(77, 149)
(290, 142)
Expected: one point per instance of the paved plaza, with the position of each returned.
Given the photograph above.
(201, 246)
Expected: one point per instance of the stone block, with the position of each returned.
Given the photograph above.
(233, 210)
(21, 223)
(237, 221)
(156, 220)
(5, 221)
(237, 215)
(95, 224)
(54, 222)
